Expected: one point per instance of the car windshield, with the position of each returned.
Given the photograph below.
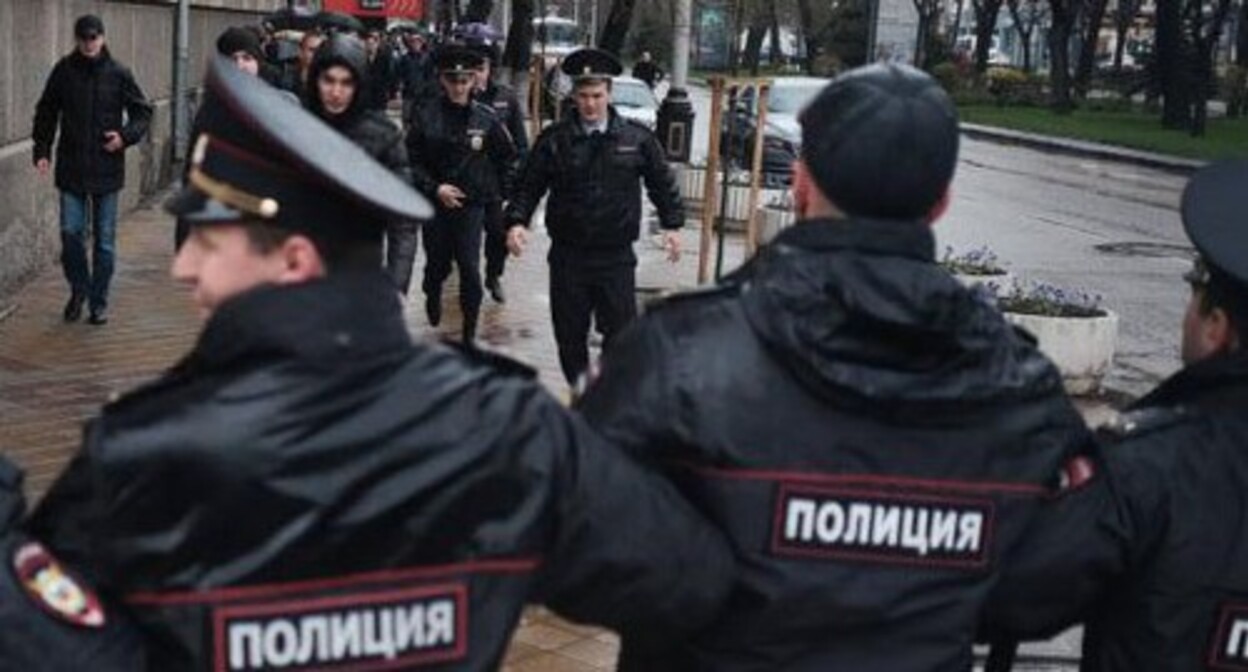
(629, 94)
(558, 33)
(791, 99)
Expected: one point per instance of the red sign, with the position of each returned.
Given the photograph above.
(390, 9)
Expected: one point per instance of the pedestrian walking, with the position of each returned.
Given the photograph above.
(310, 489)
(99, 111)
(871, 435)
(593, 164)
(338, 80)
(464, 160)
(647, 70)
(1146, 545)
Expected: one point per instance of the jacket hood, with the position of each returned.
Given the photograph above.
(348, 52)
(860, 307)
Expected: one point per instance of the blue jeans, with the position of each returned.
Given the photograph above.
(91, 282)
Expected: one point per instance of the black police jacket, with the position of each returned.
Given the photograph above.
(1150, 552)
(50, 619)
(309, 489)
(506, 106)
(595, 184)
(86, 98)
(466, 146)
(871, 436)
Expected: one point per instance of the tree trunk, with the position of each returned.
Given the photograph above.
(1059, 53)
(810, 48)
(1124, 17)
(1241, 39)
(615, 31)
(957, 26)
(1024, 30)
(1093, 19)
(777, 49)
(986, 12)
(1176, 111)
(754, 43)
(478, 11)
(518, 51)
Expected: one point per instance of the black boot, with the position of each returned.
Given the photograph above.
(495, 288)
(433, 307)
(73, 308)
(470, 330)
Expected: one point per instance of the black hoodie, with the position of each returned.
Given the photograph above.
(870, 435)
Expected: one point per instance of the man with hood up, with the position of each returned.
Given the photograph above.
(871, 435)
(337, 93)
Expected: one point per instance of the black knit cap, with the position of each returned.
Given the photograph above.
(882, 141)
(236, 39)
(88, 25)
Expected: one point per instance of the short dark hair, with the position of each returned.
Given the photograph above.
(339, 253)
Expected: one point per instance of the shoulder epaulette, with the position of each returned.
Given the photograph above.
(1144, 421)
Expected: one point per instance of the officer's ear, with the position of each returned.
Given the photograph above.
(808, 201)
(940, 208)
(301, 260)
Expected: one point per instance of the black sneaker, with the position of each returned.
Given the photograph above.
(98, 316)
(73, 308)
(496, 290)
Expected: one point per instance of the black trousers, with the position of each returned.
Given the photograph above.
(401, 243)
(455, 235)
(495, 241)
(598, 285)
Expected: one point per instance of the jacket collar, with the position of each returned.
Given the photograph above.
(614, 121)
(1217, 383)
(901, 238)
(351, 315)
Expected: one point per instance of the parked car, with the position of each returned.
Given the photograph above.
(634, 100)
(782, 137)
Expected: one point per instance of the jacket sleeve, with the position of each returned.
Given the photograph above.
(138, 110)
(1078, 544)
(628, 552)
(48, 115)
(421, 179)
(504, 157)
(661, 185)
(534, 179)
(515, 126)
(67, 515)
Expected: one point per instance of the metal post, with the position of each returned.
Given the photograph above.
(756, 170)
(181, 66)
(873, 29)
(680, 44)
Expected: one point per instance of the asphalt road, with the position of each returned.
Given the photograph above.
(1105, 228)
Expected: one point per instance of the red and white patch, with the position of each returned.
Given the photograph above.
(54, 589)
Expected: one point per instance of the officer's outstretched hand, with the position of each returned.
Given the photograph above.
(516, 240)
(450, 196)
(671, 243)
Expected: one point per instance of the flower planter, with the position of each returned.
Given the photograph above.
(1001, 282)
(1081, 347)
(771, 221)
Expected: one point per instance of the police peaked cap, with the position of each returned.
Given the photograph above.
(591, 64)
(456, 58)
(262, 157)
(881, 141)
(1215, 215)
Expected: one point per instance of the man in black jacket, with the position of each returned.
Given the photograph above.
(871, 435)
(310, 489)
(464, 160)
(1148, 546)
(87, 95)
(593, 162)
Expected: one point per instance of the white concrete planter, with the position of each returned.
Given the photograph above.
(1081, 347)
(1003, 282)
(771, 221)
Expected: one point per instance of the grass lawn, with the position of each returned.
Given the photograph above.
(1223, 137)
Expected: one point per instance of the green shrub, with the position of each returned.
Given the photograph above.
(1234, 90)
(1013, 87)
(949, 77)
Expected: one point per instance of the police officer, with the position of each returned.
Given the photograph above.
(1147, 545)
(464, 160)
(592, 162)
(871, 435)
(310, 489)
(503, 101)
(50, 618)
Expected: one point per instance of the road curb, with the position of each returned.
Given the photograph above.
(1083, 148)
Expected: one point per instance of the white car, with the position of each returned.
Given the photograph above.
(634, 100)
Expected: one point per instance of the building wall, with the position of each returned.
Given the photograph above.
(33, 35)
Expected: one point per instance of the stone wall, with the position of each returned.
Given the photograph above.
(33, 35)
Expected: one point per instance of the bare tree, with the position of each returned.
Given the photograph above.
(1205, 22)
(929, 11)
(478, 11)
(1125, 13)
(615, 30)
(1061, 26)
(1027, 14)
(1093, 19)
(809, 44)
(986, 12)
(957, 25)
